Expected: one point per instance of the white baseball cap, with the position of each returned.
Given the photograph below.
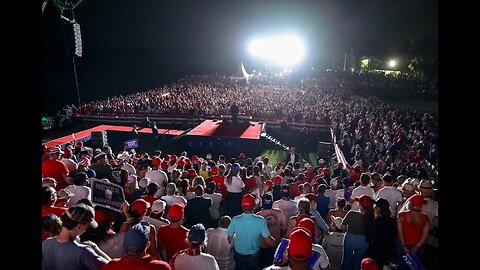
(158, 206)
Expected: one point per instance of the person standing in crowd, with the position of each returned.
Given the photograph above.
(413, 227)
(80, 189)
(54, 168)
(172, 237)
(362, 189)
(245, 232)
(298, 252)
(136, 213)
(65, 251)
(156, 215)
(135, 244)
(277, 226)
(102, 168)
(359, 227)
(218, 245)
(288, 207)
(390, 193)
(156, 175)
(197, 209)
(383, 245)
(339, 211)
(193, 257)
(234, 186)
(171, 198)
(292, 156)
(49, 197)
(216, 200)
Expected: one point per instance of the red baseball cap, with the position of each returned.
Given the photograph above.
(277, 179)
(139, 206)
(194, 158)
(192, 172)
(156, 162)
(180, 164)
(417, 200)
(248, 201)
(369, 264)
(300, 246)
(214, 170)
(365, 200)
(311, 197)
(307, 224)
(175, 213)
(164, 164)
(269, 183)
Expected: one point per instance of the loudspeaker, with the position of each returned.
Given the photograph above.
(99, 139)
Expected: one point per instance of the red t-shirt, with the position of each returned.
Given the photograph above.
(53, 210)
(173, 239)
(55, 169)
(412, 233)
(143, 263)
(221, 188)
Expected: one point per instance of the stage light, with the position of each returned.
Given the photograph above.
(392, 63)
(285, 50)
(78, 39)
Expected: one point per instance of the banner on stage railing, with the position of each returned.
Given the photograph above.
(107, 194)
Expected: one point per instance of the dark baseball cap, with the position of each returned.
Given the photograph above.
(82, 213)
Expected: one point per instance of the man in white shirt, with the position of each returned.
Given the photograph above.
(171, 198)
(360, 190)
(218, 246)
(288, 206)
(390, 193)
(157, 176)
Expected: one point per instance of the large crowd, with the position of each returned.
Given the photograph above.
(190, 212)
(304, 100)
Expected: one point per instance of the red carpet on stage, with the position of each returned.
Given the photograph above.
(87, 133)
(250, 130)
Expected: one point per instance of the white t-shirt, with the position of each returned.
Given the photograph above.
(289, 207)
(333, 246)
(214, 208)
(81, 192)
(359, 191)
(202, 261)
(323, 260)
(330, 193)
(218, 247)
(129, 168)
(236, 185)
(171, 199)
(392, 195)
(159, 177)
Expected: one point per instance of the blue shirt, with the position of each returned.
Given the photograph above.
(322, 205)
(246, 230)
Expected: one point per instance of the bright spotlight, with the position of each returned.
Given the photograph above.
(283, 50)
(392, 63)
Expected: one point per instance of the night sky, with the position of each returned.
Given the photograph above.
(135, 45)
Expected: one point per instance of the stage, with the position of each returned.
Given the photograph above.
(211, 136)
(222, 137)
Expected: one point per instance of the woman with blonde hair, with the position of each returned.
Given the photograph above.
(413, 228)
